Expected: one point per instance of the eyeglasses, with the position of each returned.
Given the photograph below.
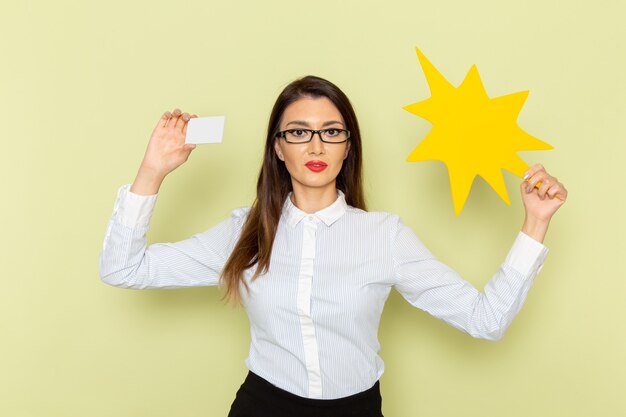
(331, 135)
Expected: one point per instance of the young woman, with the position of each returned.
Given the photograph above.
(313, 268)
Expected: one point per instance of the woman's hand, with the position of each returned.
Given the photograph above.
(166, 151)
(540, 202)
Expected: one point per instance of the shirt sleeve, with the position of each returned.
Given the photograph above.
(434, 287)
(127, 260)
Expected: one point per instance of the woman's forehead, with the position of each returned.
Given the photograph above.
(308, 110)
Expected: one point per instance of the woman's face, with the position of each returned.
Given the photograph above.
(305, 161)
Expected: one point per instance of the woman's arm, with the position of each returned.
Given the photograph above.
(126, 260)
(434, 287)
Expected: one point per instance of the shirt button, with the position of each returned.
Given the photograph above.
(310, 218)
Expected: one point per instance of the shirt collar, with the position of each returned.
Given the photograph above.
(328, 215)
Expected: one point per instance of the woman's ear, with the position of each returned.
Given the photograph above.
(345, 155)
(279, 153)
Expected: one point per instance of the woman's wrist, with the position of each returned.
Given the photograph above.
(147, 182)
(535, 228)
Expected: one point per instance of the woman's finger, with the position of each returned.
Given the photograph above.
(175, 118)
(164, 119)
(553, 191)
(546, 184)
(533, 170)
(182, 121)
(535, 179)
(188, 118)
(561, 192)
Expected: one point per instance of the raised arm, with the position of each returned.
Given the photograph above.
(126, 260)
(434, 287)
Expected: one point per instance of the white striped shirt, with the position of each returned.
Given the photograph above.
(314, 316)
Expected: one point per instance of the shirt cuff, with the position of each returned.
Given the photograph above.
(527, 255)
(133, 210)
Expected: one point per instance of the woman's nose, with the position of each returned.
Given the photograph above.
(316, 146)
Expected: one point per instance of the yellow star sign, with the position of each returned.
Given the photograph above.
(471, 133)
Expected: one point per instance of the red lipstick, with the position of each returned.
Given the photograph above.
(316, 166)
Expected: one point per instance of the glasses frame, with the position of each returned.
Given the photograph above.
(312, 132)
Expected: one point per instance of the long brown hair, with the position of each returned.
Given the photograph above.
(254, 246)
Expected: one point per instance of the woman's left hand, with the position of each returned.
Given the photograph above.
(540, 202)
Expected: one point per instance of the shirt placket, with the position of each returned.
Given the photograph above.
(305, 282)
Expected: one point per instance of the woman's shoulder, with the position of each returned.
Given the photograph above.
(239, 215)
(240, 212)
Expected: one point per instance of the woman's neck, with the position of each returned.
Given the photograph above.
(310, 200)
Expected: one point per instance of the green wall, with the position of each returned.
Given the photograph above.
(82, 84)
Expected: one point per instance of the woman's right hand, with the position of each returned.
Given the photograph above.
(166, 151)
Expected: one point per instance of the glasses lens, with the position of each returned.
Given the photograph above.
(335, 135)
(298, 135)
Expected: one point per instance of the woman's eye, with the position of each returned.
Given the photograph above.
(331, 132)
(298, 132)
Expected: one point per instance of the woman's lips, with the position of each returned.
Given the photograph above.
(316, 166)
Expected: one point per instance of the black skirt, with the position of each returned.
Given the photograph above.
(259, 398)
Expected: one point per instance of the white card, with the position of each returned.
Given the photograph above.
(205, 129)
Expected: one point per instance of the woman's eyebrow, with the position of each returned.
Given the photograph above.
(307, 124)
(333, 122)
(299, 123)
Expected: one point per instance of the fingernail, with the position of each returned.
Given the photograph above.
(528, 188)
(526, 176)
(186, 118)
